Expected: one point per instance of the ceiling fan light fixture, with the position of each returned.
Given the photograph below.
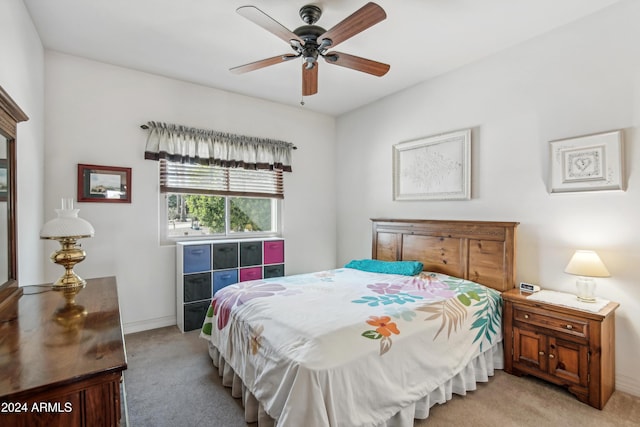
(332, 57)
(325, 44)
(310, 62)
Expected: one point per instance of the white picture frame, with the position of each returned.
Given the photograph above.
(587, 163)
(433, 168)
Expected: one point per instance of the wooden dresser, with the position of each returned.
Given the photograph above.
(566, 346)
(58, 372)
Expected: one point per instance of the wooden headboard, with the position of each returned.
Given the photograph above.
(481, 251)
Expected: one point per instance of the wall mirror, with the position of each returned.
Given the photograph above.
(10, 116)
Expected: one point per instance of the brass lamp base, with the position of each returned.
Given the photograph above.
(68, 256)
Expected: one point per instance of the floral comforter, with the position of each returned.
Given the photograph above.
(346, 347)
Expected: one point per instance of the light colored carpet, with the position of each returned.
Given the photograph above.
(170, 381)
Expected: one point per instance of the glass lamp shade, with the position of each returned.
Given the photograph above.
(67, 224)
(586, 265)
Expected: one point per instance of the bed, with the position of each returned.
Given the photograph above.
(361, 346)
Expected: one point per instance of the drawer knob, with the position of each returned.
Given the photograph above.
(526, 316)
(541, 353)
(569, 327)
(551, 356)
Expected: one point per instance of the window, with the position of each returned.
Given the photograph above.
(203, 215)
(202, 201)
(217, 184)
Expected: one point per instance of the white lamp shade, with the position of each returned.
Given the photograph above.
(67, 224)
(587, 264)
(66, 227)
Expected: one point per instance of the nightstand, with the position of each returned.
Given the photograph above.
(567, 346)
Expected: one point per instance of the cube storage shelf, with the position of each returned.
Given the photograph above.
(205, 267)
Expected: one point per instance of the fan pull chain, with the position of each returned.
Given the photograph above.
(302, 101)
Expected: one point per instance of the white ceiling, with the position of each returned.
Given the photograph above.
(199, 40)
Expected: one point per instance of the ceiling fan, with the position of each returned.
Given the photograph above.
(310, 42)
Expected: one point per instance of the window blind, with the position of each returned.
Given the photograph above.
(217, 180)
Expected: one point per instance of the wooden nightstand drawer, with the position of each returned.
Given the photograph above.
(568, 325)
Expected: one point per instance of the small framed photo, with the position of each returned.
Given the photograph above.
(433, 168)
(587, 163)
(107, 184)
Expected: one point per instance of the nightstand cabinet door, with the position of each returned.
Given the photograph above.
(569, 361)
(529, 350)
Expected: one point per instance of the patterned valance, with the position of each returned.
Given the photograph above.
(183, 144)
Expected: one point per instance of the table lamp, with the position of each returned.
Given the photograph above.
(586, 265)
(67, 228)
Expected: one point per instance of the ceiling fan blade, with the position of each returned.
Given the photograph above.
(309, 79)
(257, 16)
(357, 63)
(262, 63)
(363, 18)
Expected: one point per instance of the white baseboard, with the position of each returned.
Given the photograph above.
(628, 385)
(145, 325)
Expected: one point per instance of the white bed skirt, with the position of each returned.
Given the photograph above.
(478, 370)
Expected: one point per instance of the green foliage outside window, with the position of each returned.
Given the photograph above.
(207, 211)
(246, 214)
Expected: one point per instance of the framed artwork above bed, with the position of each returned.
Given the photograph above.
(433, 168)
(587, 163)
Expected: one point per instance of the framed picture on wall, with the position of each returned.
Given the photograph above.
(107, 184)
(433, 168)
(587, 163)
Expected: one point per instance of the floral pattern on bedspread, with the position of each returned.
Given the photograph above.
(445, 300)
(239, 294)
(312, 333)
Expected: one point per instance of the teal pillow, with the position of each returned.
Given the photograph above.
(406, 268)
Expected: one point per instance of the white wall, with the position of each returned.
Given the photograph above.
(581, 79)
(22, 77)
(94, 113)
